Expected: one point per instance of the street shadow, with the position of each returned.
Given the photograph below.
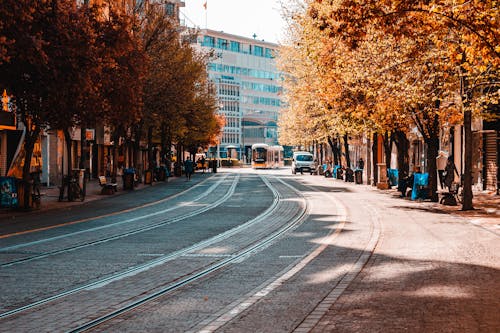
(421, 209)
(393, 293)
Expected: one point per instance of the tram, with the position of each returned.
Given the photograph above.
(267, 157)
(278, 157)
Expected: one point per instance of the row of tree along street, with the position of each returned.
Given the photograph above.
(387, 67)
(69, 65)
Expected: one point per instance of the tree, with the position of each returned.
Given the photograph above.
(178, 102)
(123, 77)
(473, 50)
(75, 67)
(24, 70)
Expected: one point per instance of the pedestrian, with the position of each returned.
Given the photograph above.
(449, 172)
(361, 163)
(188, 168)
(441, 161)
(203, 161)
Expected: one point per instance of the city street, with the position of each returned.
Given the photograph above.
(248, 250)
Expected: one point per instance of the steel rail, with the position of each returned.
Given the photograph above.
(249, 250)
(105, 215)
(72, 234)
(165, 222)
(161, 260)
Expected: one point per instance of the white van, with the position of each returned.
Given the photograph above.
(303, 161)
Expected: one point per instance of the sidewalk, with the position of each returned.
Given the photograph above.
(50, 196)
(486, 205)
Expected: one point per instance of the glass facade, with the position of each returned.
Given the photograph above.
(235, 46)
(208, 41)
(248, 88)
(256, 73)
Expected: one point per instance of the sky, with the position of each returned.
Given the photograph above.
(237, 17)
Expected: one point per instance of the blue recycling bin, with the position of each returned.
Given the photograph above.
(8, 192)
(392, 174)
(128, 178)
(337, 174)
(420, 186)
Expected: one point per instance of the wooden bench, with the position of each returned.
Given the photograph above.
(107, 187)
(452, 196)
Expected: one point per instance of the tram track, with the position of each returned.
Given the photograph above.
(162, 223)
(115, 213)
(236, 257)
(266, 215)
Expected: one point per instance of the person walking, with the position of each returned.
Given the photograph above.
(203, 161)
(188, 168)
(441, 162)
(449, 172)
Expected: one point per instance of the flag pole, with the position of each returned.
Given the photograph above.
(206, 14)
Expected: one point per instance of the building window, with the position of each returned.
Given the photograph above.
(258, 51)
(235, 46)
(208, 41)
(269, 53)
(170, 9)
(222, 43)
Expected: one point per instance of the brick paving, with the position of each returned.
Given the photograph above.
(435, 275)
(430, 272)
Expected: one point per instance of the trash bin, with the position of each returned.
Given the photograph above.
(8, 192)
(128, 178)
(162, 174)
(79, 175)
(177, 169)
(393, 176)
(338, 172)
(25, 201)
(148, 177)
(358, 176)
(349, 175)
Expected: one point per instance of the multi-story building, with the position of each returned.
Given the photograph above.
(248, 88)
(171, 6)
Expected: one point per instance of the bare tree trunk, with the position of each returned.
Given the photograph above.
(466, 96)
(150, 148)
(375, 158)
(83, 144)
(116, 139)
(368, 165)
(67, 138)
(402, 145)
(432, 153)
(335, 150)
(387, 149)
(169, 153)
(346, 148)
(467, 174)
(30, 138)
(136, 149)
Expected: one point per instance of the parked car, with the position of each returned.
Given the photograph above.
(303, 161)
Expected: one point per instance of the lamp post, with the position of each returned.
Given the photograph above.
(221, 106)
(243, 150)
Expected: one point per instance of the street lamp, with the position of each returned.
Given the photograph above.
(221, 106)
